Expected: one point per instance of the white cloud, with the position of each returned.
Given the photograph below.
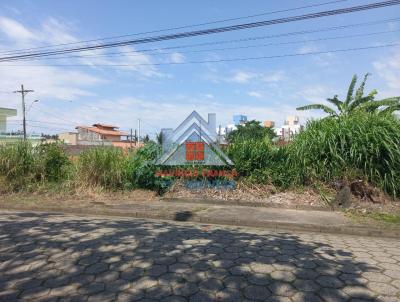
(307, 49)
(389, 70)
(275, 76)
(55, 32)
(255, 94)
(242, 77)
(15, 30)
(313, 94)
(177, 57)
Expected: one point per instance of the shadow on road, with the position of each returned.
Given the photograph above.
(48, 256)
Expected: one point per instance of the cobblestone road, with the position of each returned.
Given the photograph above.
(50, 257)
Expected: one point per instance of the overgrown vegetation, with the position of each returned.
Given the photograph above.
(359, 142)
(360, 146)
(250, 130)
(26, 167)
(22, 165)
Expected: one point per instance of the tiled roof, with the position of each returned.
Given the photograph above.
(103, 131)
(104, 125)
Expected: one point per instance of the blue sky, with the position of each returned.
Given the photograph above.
(161, 96)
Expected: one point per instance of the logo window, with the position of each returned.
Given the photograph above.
(194, 151)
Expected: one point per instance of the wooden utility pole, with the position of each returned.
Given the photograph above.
(139, 130)
(131, 138)
(23, 92)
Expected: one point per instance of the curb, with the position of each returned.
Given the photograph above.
(244, 203)
(278, 226)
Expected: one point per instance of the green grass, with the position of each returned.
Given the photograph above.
(387, 218)
(361, 146)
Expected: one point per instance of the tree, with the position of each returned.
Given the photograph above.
(357, 101)
(159, 138)
(250, 130)
(146, 139)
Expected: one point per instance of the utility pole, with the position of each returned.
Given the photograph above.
(138, 130)
(23, 92)
(131, 138)
(136, 137)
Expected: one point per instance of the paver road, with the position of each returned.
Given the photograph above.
(51, 257)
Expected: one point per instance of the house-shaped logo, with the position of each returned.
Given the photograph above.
(193, 142)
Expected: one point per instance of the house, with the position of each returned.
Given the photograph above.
(4, 114)
(193, 142)
(69, 138)
(98, 135)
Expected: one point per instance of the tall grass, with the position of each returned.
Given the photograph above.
(23, 165)
(100, 166)
(112, 168)
(361, 145)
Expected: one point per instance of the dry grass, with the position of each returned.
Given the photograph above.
(79, 198)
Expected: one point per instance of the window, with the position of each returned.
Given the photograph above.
(194, 151)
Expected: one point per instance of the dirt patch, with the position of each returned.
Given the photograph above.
(79, 198)
(245, 192)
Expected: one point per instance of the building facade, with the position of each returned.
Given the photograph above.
(4, 114)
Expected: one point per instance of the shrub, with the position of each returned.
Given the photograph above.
(260, 161)
(23, 165)
(362, 145)
(140, 169)
(52, 161)
(250, 156)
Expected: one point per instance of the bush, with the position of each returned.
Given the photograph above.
(362, 145)
(52, 161)
(260, 161)
(23, 164)
(250, 157)
(140, 169)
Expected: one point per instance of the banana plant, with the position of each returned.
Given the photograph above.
(357, 101)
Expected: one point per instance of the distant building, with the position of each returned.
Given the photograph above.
(290, 128)
(98, 135)
(4, 114)
(269, 124)
(69, 138)
(239, 119)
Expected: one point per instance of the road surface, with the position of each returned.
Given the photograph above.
(57, 257)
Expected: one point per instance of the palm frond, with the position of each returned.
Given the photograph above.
(362, 100)
(350, 91)
(360, 90)
(325, 108)
(374, 105)
(336, 102)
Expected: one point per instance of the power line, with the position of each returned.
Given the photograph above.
(179, 27)
(255, 38)
(223, 60)
(252, 46)
(212, 30)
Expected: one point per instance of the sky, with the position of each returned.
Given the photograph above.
(92, 89)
